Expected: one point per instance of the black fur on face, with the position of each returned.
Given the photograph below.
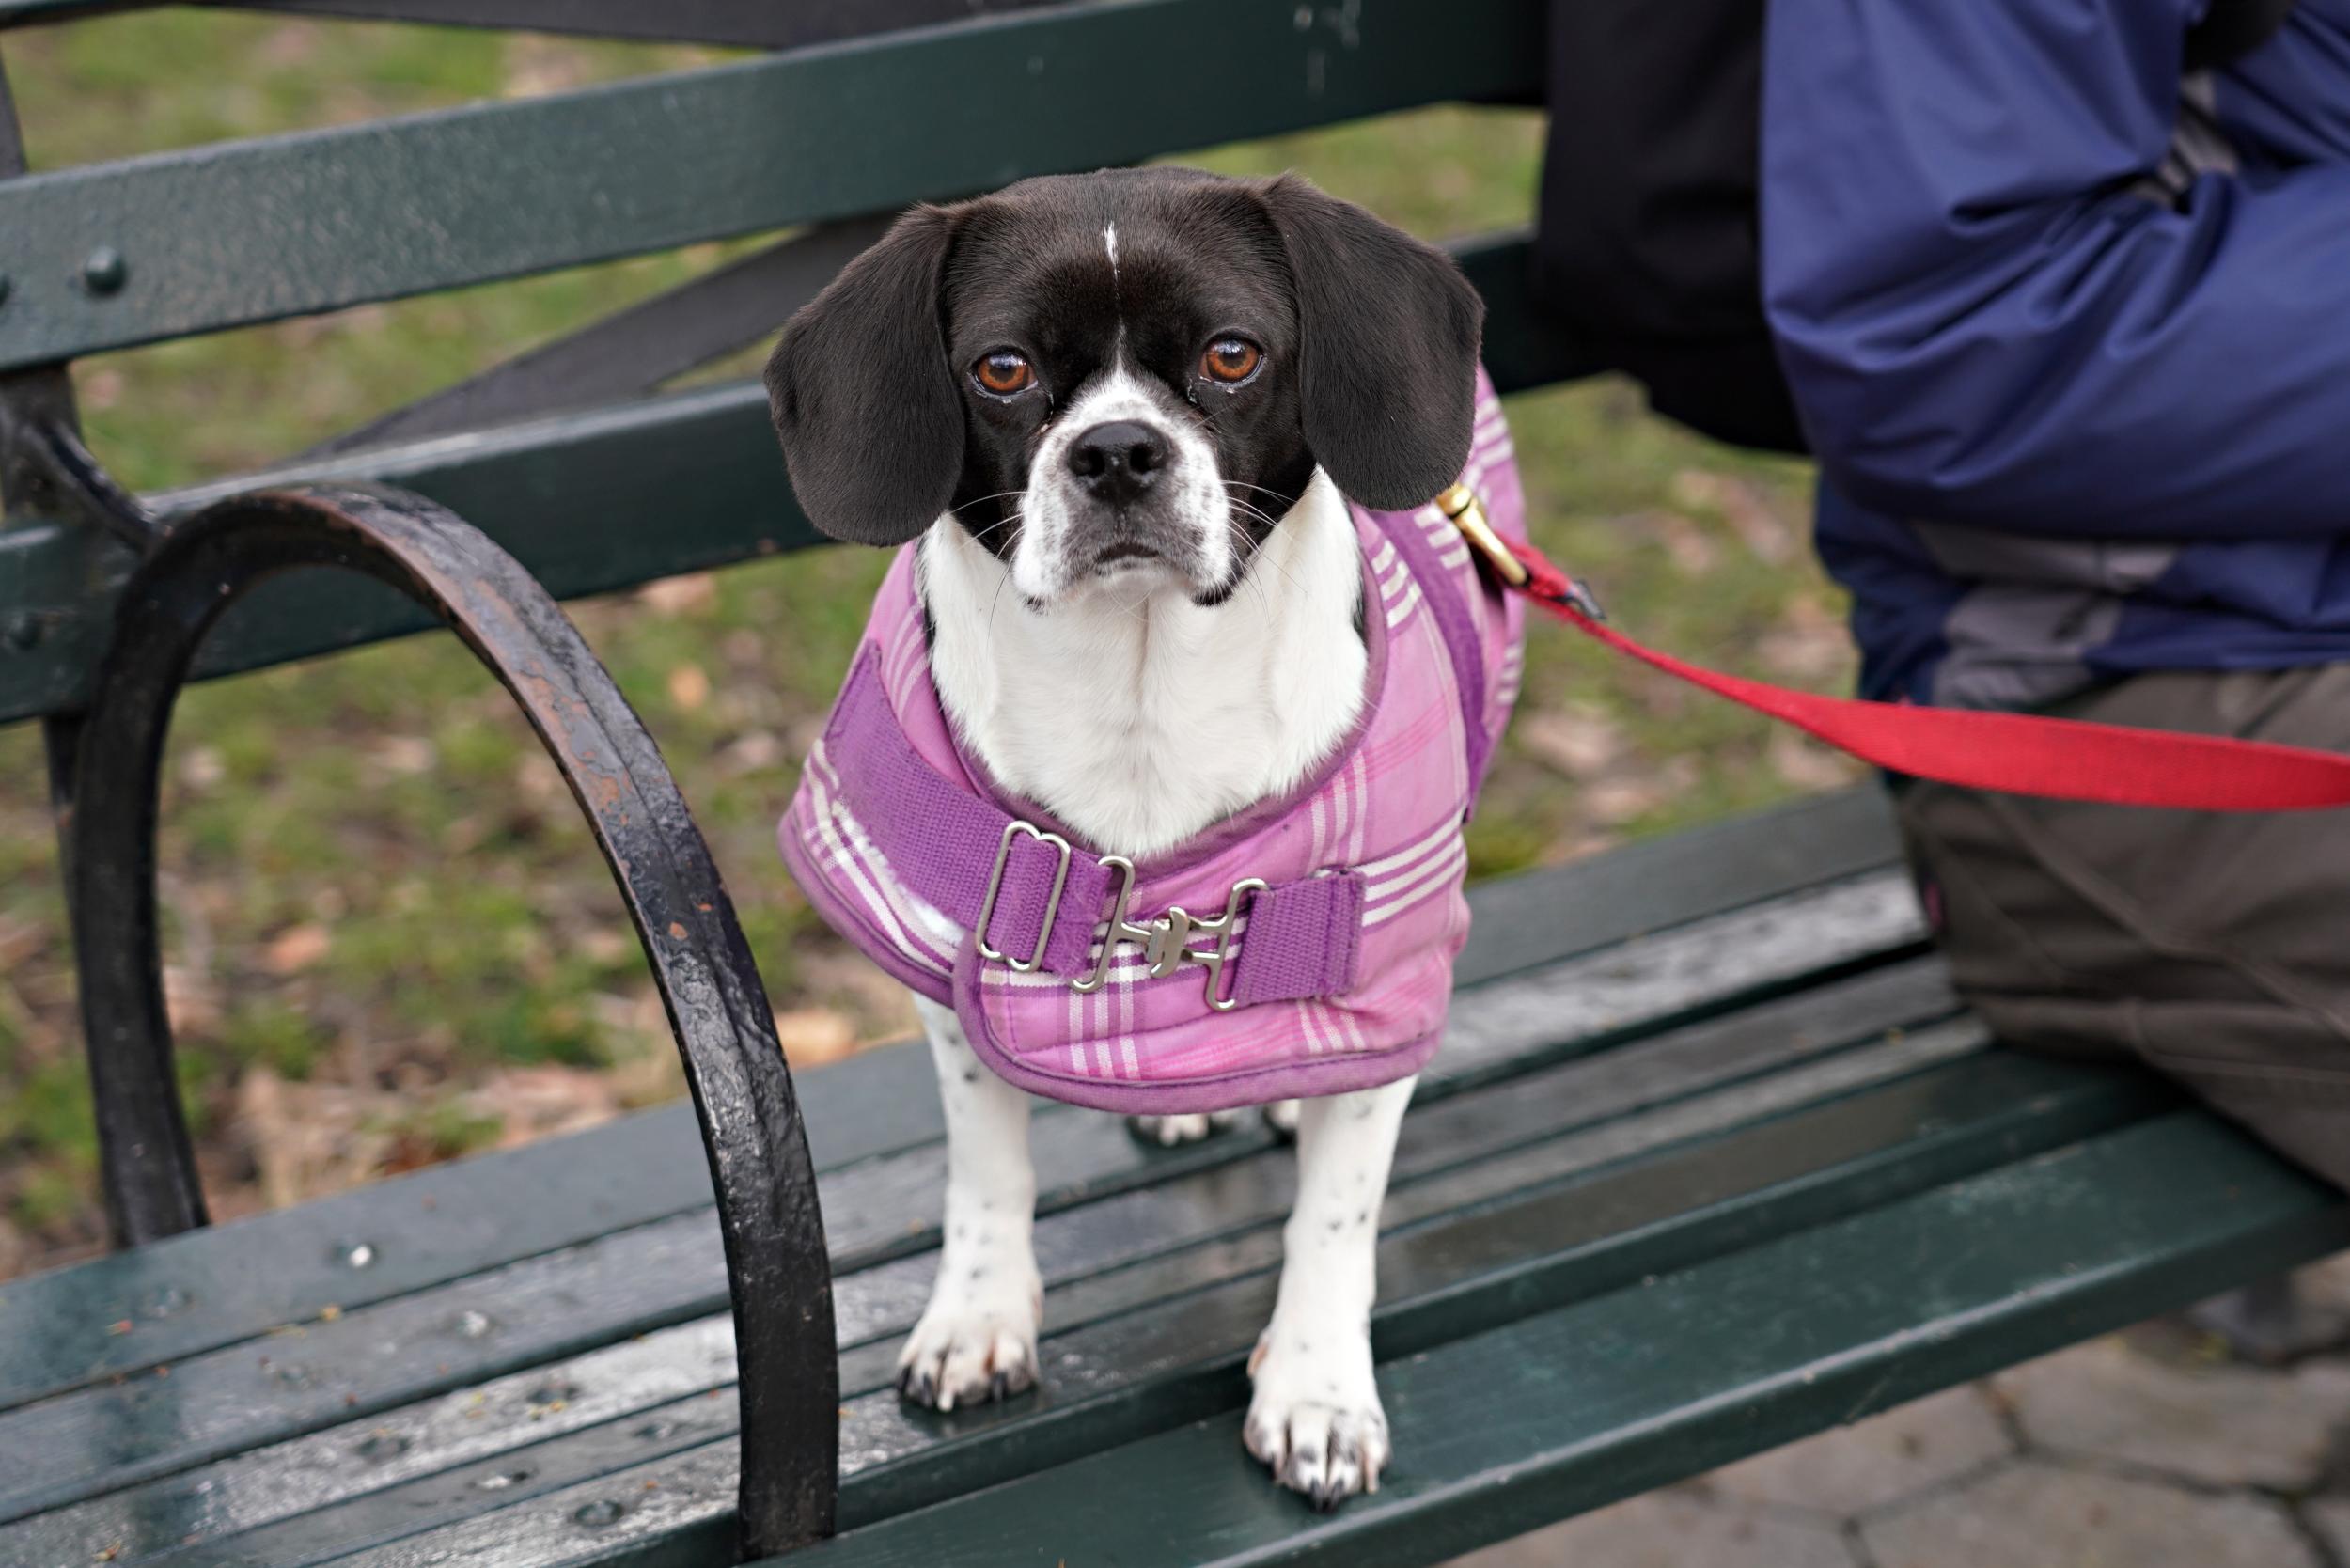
(943, 365)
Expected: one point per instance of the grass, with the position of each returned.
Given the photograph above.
(389, 938)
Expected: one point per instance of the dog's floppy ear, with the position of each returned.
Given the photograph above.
(862, 396)
(1389, 331)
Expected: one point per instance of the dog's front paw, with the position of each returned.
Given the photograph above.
(972, 1345)
(1316, 1420)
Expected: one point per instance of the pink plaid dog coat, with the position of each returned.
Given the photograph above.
(1303, 947)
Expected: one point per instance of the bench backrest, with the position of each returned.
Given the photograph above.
(231, 234)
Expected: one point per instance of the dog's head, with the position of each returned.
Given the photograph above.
(1129, 371)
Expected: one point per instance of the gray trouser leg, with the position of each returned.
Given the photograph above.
(2215, 948)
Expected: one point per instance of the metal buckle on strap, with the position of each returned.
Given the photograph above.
(1052, 904)
(1167, 941)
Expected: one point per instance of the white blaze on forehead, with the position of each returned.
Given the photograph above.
(1110, 248)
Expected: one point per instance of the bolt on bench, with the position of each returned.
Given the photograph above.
(1711, 1157)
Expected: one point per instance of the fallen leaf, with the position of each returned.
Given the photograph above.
(604, 945)
(538, 779)
(1580, 742)
(191, 999)
(695, 590)
(19, 940)
(752, 753)
(406, 755)
(539, 1101)
(289, 44)
(840, 975)
(689, 689)
(203, 767)
(307, 1139)
(537, 65)
(98, 390)
(1691, 551)
(1615, 802)
(296, 949)
(815, 1035)
(1582, 847)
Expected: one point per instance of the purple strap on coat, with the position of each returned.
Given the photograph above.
(1461, 641)
(1301, 941)
(941, 840)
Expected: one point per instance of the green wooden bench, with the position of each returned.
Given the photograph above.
(1711, 1157)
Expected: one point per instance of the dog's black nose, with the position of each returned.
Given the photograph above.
(1118, 460)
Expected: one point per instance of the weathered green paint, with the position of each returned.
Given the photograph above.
(1576, 1407)
(238, 232)
(1903, 1133)
(1541, 916)
(1457, 1264)
(411, 1346)
(589, 502)
(1102, 1258)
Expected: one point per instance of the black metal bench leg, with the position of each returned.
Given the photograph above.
(750, 1120)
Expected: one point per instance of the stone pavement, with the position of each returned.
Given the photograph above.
(2145, 1450)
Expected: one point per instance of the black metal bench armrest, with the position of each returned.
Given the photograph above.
(750, 1118)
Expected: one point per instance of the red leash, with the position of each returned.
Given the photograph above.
(2061, 758)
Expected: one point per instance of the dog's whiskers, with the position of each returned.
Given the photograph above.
(976, 501)
(1000, 586)
(979, 534)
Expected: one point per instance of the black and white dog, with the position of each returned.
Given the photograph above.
(1123, 412)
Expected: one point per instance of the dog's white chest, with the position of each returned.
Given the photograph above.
(1141, 719)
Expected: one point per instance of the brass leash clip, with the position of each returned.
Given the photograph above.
(1460, 503)
(1467, 514)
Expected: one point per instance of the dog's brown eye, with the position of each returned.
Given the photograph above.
(1230, 359)
(1003, 372)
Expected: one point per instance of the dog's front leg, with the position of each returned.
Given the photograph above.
(1316, 1418)
(976, 1339)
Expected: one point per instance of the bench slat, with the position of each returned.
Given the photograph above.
(239, 232)
(567, 496)
(632, 353)
(413, 1347)
(1578, 1407)
(1538, 918)
(1179, 1359)
(237, 1280)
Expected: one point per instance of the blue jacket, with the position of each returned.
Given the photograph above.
(2070, 333)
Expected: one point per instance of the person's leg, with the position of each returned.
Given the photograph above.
(2210, 946)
